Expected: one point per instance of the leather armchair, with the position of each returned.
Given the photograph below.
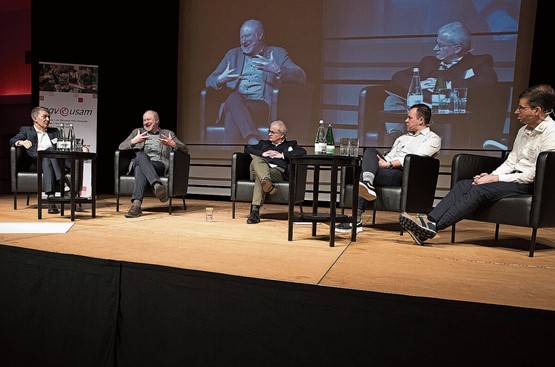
(242, 186)
(290, 103)
(23, 180)
(416, 194)
(532, 211)
(176, 183)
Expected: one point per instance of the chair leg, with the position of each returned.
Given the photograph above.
(233, 210)
(117, 202)
(496, 231)
(533, 242)
(374, 216)
(453, 233)
(28, 197)
(170, 206)
(15, 201)
(184, 203)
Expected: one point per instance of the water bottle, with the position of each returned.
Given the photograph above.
(330, 141)
(440, 84)
(70, 138)
(61, 144)
(414, 94)
(320, 140)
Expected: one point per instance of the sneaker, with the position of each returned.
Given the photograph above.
(366, 190)
(53, 209)
(135, 210)
(419, 225)
(347, 226)
(417, 239)
(160, 192)
(268, 186)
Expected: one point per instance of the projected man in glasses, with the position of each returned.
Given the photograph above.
(251, 72)
(453, 60)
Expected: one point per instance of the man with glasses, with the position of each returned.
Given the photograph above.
(269, 164)
(453, 60)
(515, 176)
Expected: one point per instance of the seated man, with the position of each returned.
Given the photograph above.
(37, 137)
(152, 147)
(388, 170)
(250, 73)
(269, 164)
(515, 176)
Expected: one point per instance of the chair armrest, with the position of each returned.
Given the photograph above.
(543, 200)
(240, 163)
(370, 101)
(122, 160)
(420, 175)
(178, 172)
(466, 166)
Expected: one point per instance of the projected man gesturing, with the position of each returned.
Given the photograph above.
(251, 72)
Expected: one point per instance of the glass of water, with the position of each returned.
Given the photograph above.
(353, 147)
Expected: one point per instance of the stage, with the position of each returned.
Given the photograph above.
(476, 275)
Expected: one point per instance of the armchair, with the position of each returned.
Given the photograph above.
(290, 103)
(416, 194)
(242, 186)
(176, 183)
(532, 211)
(23, 180)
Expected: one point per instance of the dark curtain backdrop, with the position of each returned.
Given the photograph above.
(67, 310)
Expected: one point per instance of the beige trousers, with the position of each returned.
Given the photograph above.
(260, 169)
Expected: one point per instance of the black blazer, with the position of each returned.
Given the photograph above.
(29, 133)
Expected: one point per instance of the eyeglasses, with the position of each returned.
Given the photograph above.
(522, 108)
(442, 46)
(274, 132)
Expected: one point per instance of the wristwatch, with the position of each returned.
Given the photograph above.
(390, 165)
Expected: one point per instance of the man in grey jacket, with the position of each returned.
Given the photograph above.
(250, 73)
(152, 147)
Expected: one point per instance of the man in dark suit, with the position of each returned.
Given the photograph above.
(455, 63)
(251, 72)
(40, 136)
(269, 164)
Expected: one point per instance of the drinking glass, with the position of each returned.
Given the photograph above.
(353, 147)
(445, 101)
(344, 146)
(209, 214)
(459, 100)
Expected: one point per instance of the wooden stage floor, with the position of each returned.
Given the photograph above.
(475, 269)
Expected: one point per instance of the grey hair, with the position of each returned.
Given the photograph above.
(457, 33)
(280, 125)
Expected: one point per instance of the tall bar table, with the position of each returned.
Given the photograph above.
(75, 158)
(319, 161)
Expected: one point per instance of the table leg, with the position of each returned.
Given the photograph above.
(291, 209)
(315, 191)
(39, 187)
(333, 202)
(354, 204)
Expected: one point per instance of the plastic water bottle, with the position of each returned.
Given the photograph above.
(330, 141)
(71, 138)
(414, 94)
(320, 140)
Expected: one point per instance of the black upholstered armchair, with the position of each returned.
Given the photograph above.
(416, 194)
(290, 103)
(533, 211)
(176, 183)
(23, 180)
(242, 186)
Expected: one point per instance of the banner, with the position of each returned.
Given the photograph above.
(70, 92)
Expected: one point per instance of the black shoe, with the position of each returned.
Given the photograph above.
(160, 192)
(419, 226)
(366, 190)
(254, 217)
(53, 209)
(346, 226)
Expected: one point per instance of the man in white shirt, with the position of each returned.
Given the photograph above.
(388, 170)
(515, 176)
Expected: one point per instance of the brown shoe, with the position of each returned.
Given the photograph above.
(268, 186)
(160, 192)
(135, 210)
